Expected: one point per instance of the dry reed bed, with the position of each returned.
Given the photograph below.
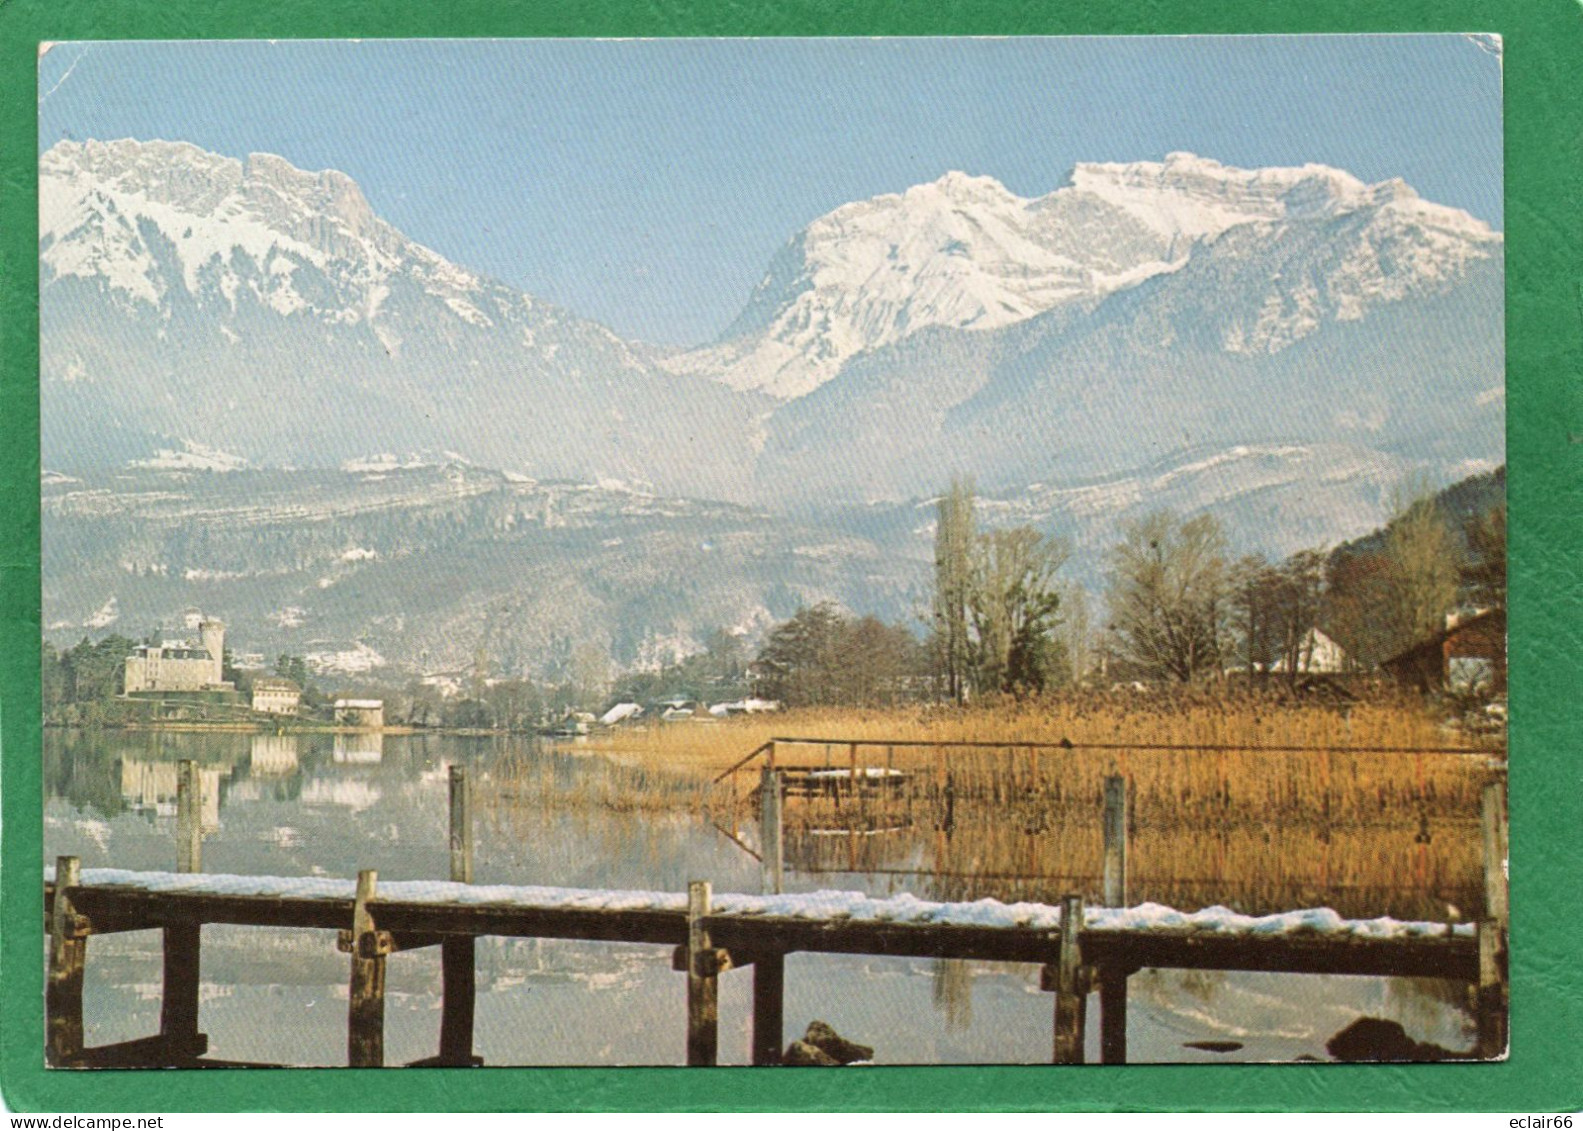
(1182, 719)
(1408, 871)
(1262, 829)
(1332, 786)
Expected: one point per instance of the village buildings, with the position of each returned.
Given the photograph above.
(276, 695)
(1469, 656)
(368, 713)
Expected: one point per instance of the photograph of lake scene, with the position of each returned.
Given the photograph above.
(807, 552)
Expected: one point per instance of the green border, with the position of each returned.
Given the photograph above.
(1544, 132)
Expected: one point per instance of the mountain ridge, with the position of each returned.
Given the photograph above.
(1278, 347)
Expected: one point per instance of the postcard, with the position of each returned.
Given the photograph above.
(825, 552)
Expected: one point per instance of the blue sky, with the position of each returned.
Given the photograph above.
(646, 184)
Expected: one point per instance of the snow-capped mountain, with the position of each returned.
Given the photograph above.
(149, 217)
(965, 253)
(1277, 346)
(190, 298)
(1358, 315)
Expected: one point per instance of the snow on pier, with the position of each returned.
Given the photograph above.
(834, 906)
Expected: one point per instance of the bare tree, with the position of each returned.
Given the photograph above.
(1252, 586)
(1013, 603)
(1421, 583)
(1168, 594)
(1484, 575)
(1076, 631)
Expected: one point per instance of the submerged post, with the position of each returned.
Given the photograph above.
(703, 968)
(365, 1022)
(189, 817)
(772, 865)
(1115, 841)
(1070, 993)
(769, 990)
(68, 951)
(461, 826)
(458, 976)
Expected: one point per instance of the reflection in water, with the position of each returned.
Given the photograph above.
(273, 755)
(953, 993)
(150, 787)
(313, 804)
(362, 748)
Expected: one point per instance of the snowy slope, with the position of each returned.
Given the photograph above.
(204, 312)
(1371, 319)
(964, 252)
(195, 300)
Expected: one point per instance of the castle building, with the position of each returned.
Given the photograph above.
(179, 665)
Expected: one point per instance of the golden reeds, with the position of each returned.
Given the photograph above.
(1265, 804)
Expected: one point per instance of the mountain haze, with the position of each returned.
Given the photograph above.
(1281, 347)
(255, 308)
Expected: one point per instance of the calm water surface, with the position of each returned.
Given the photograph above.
(298, 805)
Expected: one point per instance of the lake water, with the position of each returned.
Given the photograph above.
(299, 805)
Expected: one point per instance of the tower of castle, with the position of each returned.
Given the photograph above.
(212, 633)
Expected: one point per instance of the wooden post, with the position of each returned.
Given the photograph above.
(459, 990)
(365, 1021)
(68, 951)
(1496, 900)
(1115, 841)
(1113, 1015)
(1493, 1003)
(1493, 991)
(1070, 993)
(458, 977)
(703, 989)
(189, 817)
(461, 827)
(851, 780)
(771, 834)
(769, 988)
(178, 1010)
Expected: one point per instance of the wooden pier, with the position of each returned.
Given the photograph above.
(709, 936)
(1081, 951)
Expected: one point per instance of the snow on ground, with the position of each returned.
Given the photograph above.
(848, 906)
(192, 456)
(353, 661)
(866, 772)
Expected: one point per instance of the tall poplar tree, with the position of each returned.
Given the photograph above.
(954, 538)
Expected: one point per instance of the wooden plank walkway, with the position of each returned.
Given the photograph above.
(711, 935)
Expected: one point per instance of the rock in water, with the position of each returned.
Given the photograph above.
(800, 1054)
(1374, 1038)
(827, 1040)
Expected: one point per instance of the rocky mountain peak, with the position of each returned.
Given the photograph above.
(965, 252)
